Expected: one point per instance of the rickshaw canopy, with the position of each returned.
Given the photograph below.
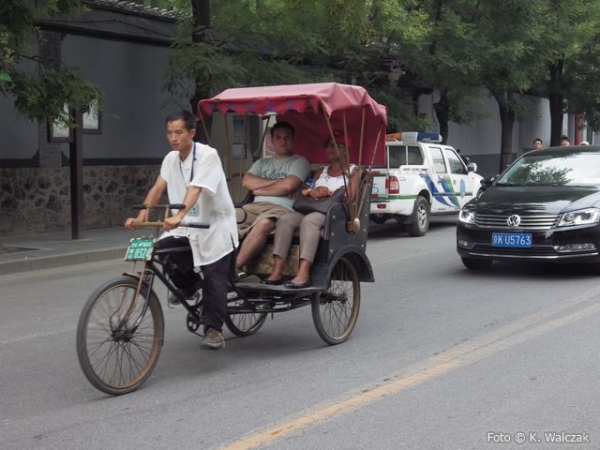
(315, 111)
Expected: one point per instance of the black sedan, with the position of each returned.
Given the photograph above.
(543, 207)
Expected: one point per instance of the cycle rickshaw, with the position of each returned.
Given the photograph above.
(121, 328)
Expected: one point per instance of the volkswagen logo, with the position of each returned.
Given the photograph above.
(513, 221)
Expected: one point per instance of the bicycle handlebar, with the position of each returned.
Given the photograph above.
(203, 225)
(195, 225)
(168, 205)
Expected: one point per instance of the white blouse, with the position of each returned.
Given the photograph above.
(332, 183)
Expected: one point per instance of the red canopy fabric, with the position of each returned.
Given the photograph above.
(305, 106)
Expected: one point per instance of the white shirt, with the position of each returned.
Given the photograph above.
(277, 169)
(202, 168)
(332, 183)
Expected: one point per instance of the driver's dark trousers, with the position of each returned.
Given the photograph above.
(180, 264)
(214, 292)
(214, 280)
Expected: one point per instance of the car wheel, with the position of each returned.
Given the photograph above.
(477, 263)
(420, 219)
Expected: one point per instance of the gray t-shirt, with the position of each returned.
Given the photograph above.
(278, 169)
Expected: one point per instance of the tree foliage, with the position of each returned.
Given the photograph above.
(263, 42)
(459, 49)
(570, 53)
(39, 90)
(510, 66)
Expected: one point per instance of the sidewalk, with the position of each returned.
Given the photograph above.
(48, 250)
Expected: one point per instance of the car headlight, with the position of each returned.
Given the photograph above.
(466, 216)
(582, 217)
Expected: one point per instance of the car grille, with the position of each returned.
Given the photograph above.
(537, 251)
(505, 251)
(528, 222)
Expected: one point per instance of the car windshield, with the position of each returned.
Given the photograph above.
(555, 168)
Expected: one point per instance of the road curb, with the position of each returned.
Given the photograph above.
(65, 259)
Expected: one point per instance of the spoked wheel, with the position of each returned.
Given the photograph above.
(243, 324)
(335, 310)
(115, 355)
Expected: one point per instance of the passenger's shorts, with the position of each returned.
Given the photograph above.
(250, 214)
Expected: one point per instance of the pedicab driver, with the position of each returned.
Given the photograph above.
(192, 174)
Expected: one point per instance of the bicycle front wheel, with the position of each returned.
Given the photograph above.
(117, 353)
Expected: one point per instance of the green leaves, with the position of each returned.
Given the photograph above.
(460, 48)
(262, 42)
(40, 93)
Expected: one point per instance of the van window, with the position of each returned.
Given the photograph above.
(439, 165)
(456, 165)
(401, 155)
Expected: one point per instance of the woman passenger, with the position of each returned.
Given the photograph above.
(328, 180)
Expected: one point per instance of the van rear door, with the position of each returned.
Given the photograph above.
(394, 158)
(380, 191)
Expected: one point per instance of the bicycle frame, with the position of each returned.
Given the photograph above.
(154, 267)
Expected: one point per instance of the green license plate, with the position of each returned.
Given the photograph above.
(140, 249)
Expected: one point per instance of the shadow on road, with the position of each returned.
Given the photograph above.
(527, 270)
(393, 229)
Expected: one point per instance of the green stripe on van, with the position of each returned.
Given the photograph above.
(393, 197)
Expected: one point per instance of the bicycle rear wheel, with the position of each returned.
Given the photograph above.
(335, 310)
(115, 355)
(244, 324)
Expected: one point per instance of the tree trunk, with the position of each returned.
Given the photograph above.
(201, 13)
(557, 101)
(442, 112)
(507, 119)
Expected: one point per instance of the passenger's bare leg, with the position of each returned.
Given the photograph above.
(278, 265)
(254, 242)
(303, 273)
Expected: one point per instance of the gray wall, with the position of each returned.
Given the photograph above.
(131, 78)
(36, 193)
(19, 135)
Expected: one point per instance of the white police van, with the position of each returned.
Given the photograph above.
(422, 178)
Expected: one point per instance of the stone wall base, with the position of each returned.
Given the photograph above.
(37, 200)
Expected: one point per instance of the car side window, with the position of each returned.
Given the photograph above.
(439, 164)
(396, 155)
(456, 165)
(414, 157)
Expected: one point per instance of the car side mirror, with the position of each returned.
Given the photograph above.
(486, 183)
(472, 167)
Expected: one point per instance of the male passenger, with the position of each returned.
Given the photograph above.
(192, 174)
(274, 181)
(538, 144)
(565, 141)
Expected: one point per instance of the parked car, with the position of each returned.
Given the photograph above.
(421, 178)
(543, 207)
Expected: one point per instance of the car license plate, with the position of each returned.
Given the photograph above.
(140, 249)
(516, 240)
